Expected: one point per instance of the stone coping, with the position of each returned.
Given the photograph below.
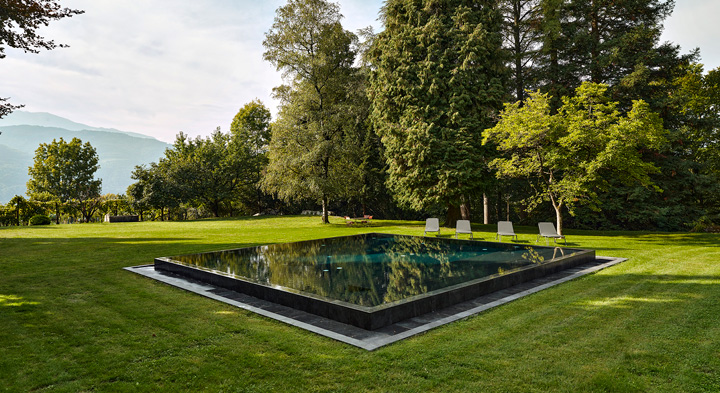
(373, 339)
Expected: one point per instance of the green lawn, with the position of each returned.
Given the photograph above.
(72, 320)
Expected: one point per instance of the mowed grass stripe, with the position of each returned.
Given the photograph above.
(73, 320)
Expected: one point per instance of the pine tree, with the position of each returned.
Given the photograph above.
(438, 81)
(604, 41)
(522, 38)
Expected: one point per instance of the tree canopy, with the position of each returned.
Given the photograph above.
(153, 189)
(571, 155)
(437, 83)
(602, 119)
(308, 156)
(66, 170)
(209, 171)
(250, 129)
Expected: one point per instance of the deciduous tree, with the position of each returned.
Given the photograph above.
(308, 156)
(250, 130)
(209, 171)
(153, 189)
(572, 154)
(66, 170)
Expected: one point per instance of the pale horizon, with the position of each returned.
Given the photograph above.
(157, 70)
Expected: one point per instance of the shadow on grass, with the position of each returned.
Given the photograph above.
(99, 248)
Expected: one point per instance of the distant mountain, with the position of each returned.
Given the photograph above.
(13, 172)
(118, 152)
(44, 119)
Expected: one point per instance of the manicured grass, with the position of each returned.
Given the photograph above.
(72, 320)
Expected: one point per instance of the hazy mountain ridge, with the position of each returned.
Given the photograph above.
(44, 119)
(119, 152)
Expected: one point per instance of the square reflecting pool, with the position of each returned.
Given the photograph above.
(374, 280)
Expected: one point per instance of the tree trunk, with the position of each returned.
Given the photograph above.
(486, 210)
(57, 213)
(258, 197)
(464, 209)
(84, 211)
(519, 80)
(507, 207)
(550, 45)
(594, 45)
(465, 212)
(558, 216)
(453, 214)
(325, 219)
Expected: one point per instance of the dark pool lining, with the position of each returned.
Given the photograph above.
(373, 339)
(376, 317)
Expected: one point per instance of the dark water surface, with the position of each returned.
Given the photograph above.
(371, 269)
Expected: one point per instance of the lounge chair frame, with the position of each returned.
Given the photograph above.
(432, 225)
(505, 228)
(548, 231)
(463, 226)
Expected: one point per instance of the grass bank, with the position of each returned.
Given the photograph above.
(72, 320)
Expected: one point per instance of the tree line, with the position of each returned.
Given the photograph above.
(509, 109)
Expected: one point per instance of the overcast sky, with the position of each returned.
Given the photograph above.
(158, 67)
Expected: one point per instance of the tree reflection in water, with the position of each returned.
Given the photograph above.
(371, 269)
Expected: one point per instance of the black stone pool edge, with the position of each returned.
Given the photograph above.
(373, 339)
(377, 317)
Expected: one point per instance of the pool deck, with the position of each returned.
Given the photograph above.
(373, 339)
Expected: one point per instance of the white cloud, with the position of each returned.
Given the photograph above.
(693, 24)
(153, 67)
(161, 66)
(156, 67)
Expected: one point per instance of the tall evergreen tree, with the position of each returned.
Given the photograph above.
(438, 81)
(608, 38)
(522, 38)
(604, 41)
(552, 78)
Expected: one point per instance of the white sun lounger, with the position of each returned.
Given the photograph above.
(463, 226)
(505, 228)
(432, 225)
(547, 230)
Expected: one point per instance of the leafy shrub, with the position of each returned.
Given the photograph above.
(40, 219)
(705, 224)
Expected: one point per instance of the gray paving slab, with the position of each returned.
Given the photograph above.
(373, 339)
